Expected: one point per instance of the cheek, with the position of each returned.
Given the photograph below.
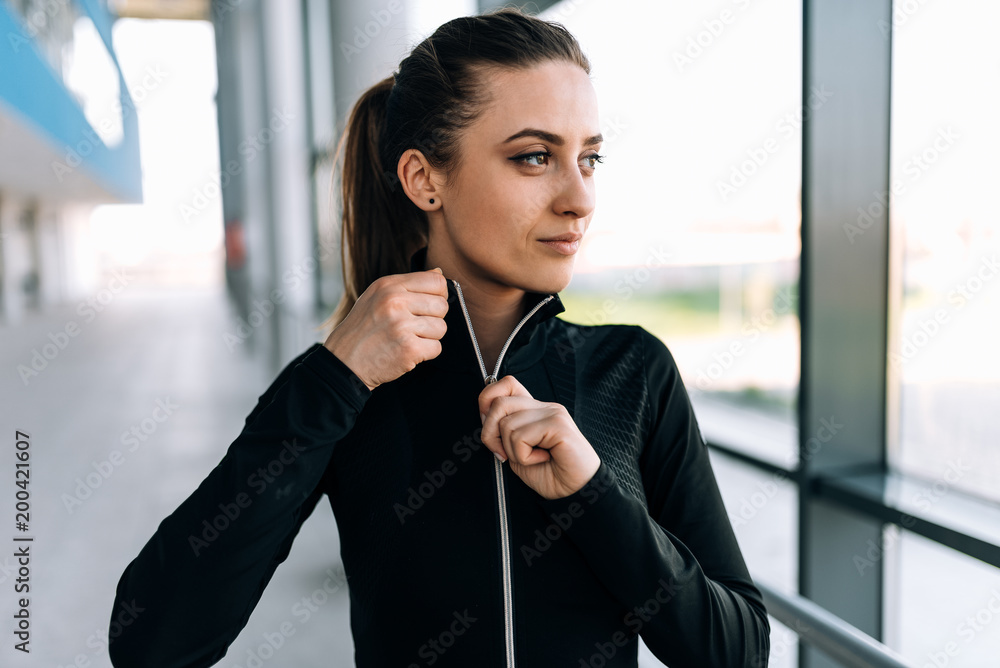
(497, 210)
(482, 194)
(496, 206)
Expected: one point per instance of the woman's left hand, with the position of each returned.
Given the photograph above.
(540, 440)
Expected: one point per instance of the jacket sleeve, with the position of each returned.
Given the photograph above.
(677, 566)
(190, 591)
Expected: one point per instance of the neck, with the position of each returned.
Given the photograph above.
(492, 320)
(493, 309)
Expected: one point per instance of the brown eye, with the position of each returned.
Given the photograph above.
(523, 159)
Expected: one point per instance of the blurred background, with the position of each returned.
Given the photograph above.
(169, 241)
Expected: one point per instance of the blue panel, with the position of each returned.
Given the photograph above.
(29, 85)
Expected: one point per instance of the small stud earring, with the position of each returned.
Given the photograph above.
(432, 201)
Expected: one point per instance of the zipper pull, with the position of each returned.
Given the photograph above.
(491, 379)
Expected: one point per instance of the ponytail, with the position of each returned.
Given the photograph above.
(380, 226)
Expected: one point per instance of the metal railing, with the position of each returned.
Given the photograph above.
(823, 630)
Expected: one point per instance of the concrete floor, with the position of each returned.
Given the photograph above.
(146, 345)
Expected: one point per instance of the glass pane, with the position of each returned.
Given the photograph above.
(949, 607)
(763, 509)
(946, 99)
(696, 233)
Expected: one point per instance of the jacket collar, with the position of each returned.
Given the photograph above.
(457, 349)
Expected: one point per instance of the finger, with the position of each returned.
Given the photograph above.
(431, 305)
(522, 431)
(428, 281)
(500, 408)
(508, 386)
(430, 327)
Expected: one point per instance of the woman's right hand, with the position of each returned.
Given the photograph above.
(395, 324)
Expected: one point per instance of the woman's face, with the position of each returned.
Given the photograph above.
(507, 194)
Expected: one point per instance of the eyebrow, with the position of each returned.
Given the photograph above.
(551, 137)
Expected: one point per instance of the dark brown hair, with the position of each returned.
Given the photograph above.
(438, 90)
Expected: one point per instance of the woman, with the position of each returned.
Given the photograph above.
(605, 523)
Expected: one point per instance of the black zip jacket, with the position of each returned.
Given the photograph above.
(451, 560)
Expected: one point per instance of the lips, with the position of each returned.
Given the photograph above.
(565, 237)
(563, 247)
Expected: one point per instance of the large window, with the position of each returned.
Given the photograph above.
(945, 138)
(943, 358)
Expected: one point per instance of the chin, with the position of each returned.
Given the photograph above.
(549, 281)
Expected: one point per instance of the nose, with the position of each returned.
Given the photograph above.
(576, 196)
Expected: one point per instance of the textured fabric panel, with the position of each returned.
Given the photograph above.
(607, 397)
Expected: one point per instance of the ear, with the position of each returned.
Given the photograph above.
(419, 179)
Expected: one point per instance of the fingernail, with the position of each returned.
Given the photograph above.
(502, 459)
(482, 418)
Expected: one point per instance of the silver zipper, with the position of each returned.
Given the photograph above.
(508, 595)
